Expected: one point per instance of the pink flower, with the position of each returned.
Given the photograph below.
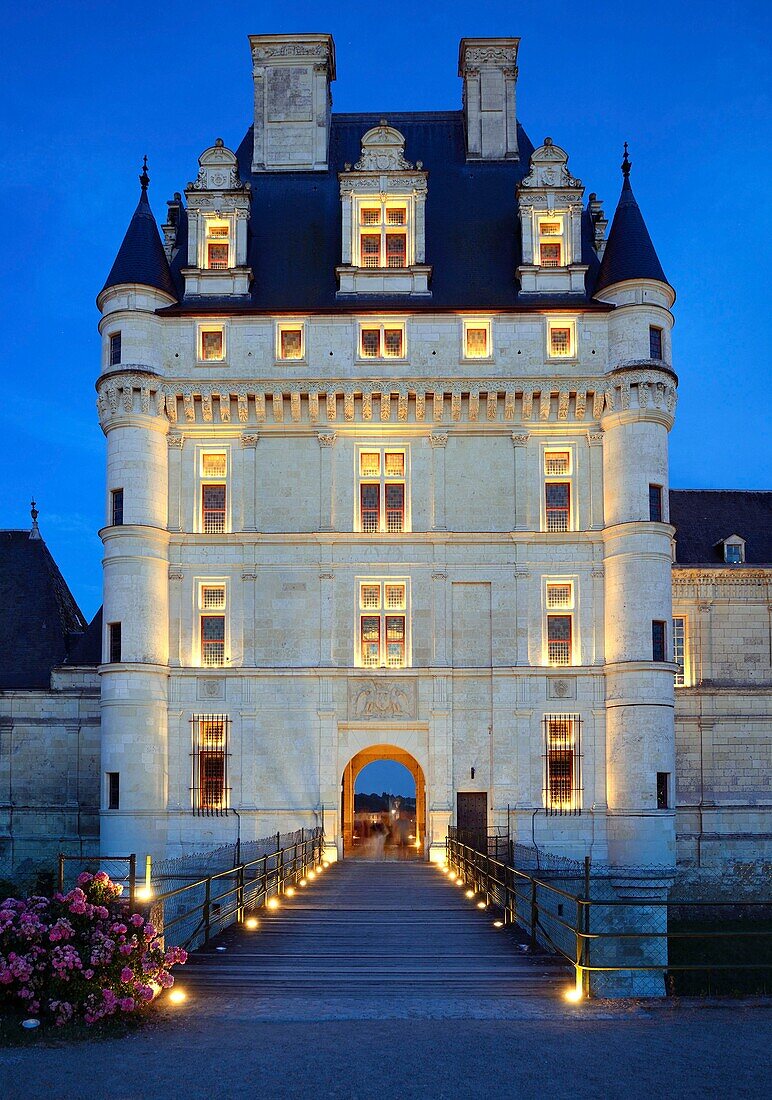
(126, 974)
(101, 877)
(137, 920)
(84, 878)
(125, 949)
(126, 1004)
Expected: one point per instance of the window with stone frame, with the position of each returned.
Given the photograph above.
(551, 244)
(217, 244)
(211, 343)
(291, 342)
(214, 492)
(655, 504)
(679, 649)
(382, 624)
(116, 507)
(658, 640)
(115, 349)
(562, 764)
(382, 233)
(561, 342)
(382, 341)
(477, 339)
(210, 789)
(558, 476)
(655, 342)
(382, 490)
(114, 643)
(211, 605)
(559, 639)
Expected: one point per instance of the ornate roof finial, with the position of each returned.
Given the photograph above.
(626, 164)
(144, 179)
(35, 530)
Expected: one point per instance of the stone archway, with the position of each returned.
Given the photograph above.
(355, 765)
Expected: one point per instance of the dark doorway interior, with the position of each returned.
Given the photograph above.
(472, 819)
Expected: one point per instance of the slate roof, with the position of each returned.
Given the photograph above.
(703, 518)
(38, 614)
(472, 227)
(86, 648)
(141, 257)
(629, 253)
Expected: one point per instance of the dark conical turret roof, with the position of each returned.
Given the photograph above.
(629, 253)
(141, 257)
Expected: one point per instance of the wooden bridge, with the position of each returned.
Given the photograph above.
(366, 939)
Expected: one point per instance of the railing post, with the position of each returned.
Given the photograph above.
(279, 871)
(60, 874)
(240, 893)
(534, 944)
(586, 929)
(207, 906)
(132, 878)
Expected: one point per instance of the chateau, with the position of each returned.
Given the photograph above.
(386, 407)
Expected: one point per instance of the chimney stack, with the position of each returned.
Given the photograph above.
(488, 67)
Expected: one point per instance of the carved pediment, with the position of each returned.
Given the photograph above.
(383, 150)
(549, 168)
(218, 170)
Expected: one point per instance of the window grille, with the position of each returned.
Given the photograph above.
(394, 462)
(559, 595)
(655, 342)
(116, 507)
(371, 250)
(562, 764)
(559, 639)
(395, 641)
(213, 509)
(549, 254)
(371, 640)
(371, 343)
(370, 463)
(213, 597)
(113, 790)
(560, 339)
(370, 499)
(370, 216)
(212, 641)
(395, 508)
(114, 642)
(395, 596)
(396, 215)
(658, 633)
(557, 463)
(550, 229)
(396, 249)
(476, 343)
(212, 344)
(557, 505)
(115, 349)
(392, 342)
(210, 763)
(370, 596)
(291, 343)
(218, 231)
(679, 650)
(655, 503)
(214, 465)
(217, 257)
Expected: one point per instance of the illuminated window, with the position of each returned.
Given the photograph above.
(560, 342)
(557, 490)
(217, 245)
(382, 490)
(116, 507)
(382, 234)
(212, 641)
(113, 643)
(559, 630)
(214, 492)
(562, 767)
(212, 597)
(382, 624)
(560, 594)
(115, 349)
(655, 503)
(655, 342)
(658, 640)
(210, 763)
(477, 340)
(385, 341)
(551, 246)
(557, 463)
(679, 650)
(290, 342)
(211, 343)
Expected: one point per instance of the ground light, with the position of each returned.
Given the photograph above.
(319, 869)
(251, 923)
(325, 864)
(459, 882)
(452, 876)
(574, 994)
(177, 996)
(273, 903)
(481, 905)
(290, 891)
(303, 882)
(470, 893)
(498, 924)
(144, 893)
(311, 876)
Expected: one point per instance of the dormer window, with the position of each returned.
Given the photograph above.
(550, 207)
(219, 205)
(734, 550)
(551, 248)
(217, 245)
(383, 235)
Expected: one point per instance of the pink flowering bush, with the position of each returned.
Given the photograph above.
(80, 956)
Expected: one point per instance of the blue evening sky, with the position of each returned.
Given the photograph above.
(89, 87)
(385, 775)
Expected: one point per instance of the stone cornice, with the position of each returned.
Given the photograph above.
(414, 400)
(694, 576)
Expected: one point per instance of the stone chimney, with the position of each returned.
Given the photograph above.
(292, 74)
(488, 67)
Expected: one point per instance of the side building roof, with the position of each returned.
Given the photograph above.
(39, 618)
(703, 518)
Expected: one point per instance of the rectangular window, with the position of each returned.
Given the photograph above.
(217, 244)
(212, 641)
(655, 342)
(560, 342)
(392, 343)
(210, 763)
(115, 349)
(557, 463)
(549, 253)
(213, 499)
(114, 642)
(655, 503)
(560, 595)
(679, 650)
(113, 790)
(371, 343)
(557, 501)
(477, 340)
(116, 507)
(214, 465)
(217, 256)
(212, 344)
(562, 769)
(371, 250)
(382, 231)
(658, 640)
(382, 633)
(213, 597)
(395, 249)
(382, 341)
(382, 491)
(291, 343)
(663, 791)
(559, 639)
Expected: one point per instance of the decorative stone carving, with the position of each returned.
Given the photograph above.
(210, 688)
(218, 170)
(278, 407)
(250, 439)
(206, 407)
(225, 407)
(544, 405)
(295, 406)
(327, 439)
(438, 439)
(176, 440)
(383, 150)
(175, 574)
(520, 440)
(376, 699)
(243, 407)
(561, 688)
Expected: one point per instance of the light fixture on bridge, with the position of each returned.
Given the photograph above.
(251, 923)
(303, 882)
(481, 905)
(177, 996)
(470, 893)
(273, 903)
(574, 994)
(311, 876)
(498, 924)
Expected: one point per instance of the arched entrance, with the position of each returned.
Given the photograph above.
(350, 773)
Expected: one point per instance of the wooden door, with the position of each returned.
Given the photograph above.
(472, 819)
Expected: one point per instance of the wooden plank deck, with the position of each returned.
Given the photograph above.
(378, 936)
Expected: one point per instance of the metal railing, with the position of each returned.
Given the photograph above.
(640, 940)
(189, 915)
